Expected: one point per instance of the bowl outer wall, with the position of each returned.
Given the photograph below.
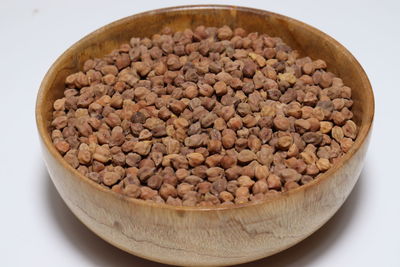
(207, 236)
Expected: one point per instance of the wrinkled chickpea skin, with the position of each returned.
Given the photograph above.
(203, 117)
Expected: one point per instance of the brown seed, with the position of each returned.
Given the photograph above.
(346, 144)
(246, 156)
(281, 123)
(260, 186)
(224, 33)
(190, 202)
(235, 123)
(326, 80)
(319, 64)
(308, 68)
(219, 124)
(213, 160)
(227, 162)
(155, 181)
(177, 106)
(259, 197)
(228, 141)
(241, 200)
(84, 128)
(204, 187)
(142, 148)
(72, 158)
(314, 138)
(191, 92)
(195, 140)
(312, 170)
(337, 133)
(306, 179)
(59, 104)
(167, 191)
(132, 190)
(181, 123)
(338, 118)
(212, 199)
(220, 88)
(157, 158)
(102, 154)
(84, 156)
(195, 159)
(264, 156)
(261, 172)
(248, 170)
(249, 69)
(182, 174)
(164, 113)
(243, 109)
(145, 135)
(172, 146)
(302, 125)
(291, 185)
(184, 188)
(194, 128)
(242, 192)
(60, 122)
(250, 121)
(62, 146)
(146, 163)
(265, 135)
(273, 181)
(326, 127)
(179, 134)
(214, 146)
(152, 123)
(206, 90)
(233, 173)
(147, 193)
(208, 120)
(245, 181)
(145, 173)
(111, 178)
(174, 201)
(268, 111)
(260, 60)
(214, 173)
(227, 112)
(287, 77)
(285, 142)
(290, 175)
(219, 185)
(350, 129)
(293, 151)
(225, 196)
(119, 159)
(254, 143)
(323, 164)
(133, 159)
(177, 161)
(308, 157)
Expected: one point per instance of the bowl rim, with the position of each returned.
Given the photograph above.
(363, 134)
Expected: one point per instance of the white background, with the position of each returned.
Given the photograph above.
(36, 228)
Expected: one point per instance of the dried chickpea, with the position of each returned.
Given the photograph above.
(203, 117)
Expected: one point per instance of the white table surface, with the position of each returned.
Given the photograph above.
(37, 229)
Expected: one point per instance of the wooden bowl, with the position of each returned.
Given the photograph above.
(195, 235)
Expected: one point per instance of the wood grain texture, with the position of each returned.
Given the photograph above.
(195, 235)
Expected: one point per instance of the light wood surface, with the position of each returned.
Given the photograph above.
(207, 236)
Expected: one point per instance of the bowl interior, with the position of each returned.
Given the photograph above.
(306, 39)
